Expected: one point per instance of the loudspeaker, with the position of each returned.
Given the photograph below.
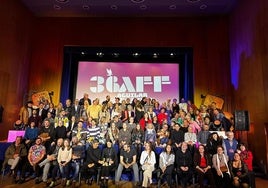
(241, 120)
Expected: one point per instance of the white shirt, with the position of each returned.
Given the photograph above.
(145, 157)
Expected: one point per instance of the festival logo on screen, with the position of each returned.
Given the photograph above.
(125, 87)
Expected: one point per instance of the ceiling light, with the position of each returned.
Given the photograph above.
(62, 1)
(193, 1)
(100, 54)
(155, 55)
(204, 6)
(85, 7)
(57, 7)
(143, 7)
(172, 54)
(172, 7)
(137, 1)
(116, 54)
(114, 7)
(136, 54)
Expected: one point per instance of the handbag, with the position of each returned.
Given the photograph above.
(224, 168)
(145, 167)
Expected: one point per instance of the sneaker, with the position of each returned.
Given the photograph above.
(37, 181)
(68, 183)
(52, 184)
(21, 181)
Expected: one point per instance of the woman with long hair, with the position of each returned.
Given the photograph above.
(239, 172)
(203, 165)
(137, 138)
(213, 142)
(109, 158)
(147, 162)
(220, 164)
(64, 158)
(166, 164)
(112, 133)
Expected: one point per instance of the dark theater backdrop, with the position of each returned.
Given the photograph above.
(229, 55)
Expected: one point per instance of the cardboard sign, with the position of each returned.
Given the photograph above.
(12, 134)
(210, 98)
(40, 97)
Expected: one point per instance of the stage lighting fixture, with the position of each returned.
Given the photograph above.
(116, 54)
(155, 55)
(100, 54)
(136, 54)
(172, 54)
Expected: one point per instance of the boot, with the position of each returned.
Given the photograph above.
(106, 183)
(63, 182)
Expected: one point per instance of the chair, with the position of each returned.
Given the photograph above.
(5, 169)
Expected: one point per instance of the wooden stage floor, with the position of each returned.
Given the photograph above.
(7, 183)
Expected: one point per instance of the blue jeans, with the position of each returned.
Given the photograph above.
(65, 171)
(120, 169)
(76, 166)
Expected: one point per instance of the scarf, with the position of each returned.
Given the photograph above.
(225, 162)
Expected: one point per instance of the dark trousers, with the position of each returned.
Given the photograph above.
(54, 172)
(209, 175)
(87, 172)
(223, 181)
(184, 177)
(106, 170)
(168, 174)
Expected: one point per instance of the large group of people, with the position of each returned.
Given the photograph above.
(175, 138)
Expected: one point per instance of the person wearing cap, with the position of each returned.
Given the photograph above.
(26, 112)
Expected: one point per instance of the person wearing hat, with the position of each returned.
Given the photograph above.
(26, 112)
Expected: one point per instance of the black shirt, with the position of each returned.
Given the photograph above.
(128, 156)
